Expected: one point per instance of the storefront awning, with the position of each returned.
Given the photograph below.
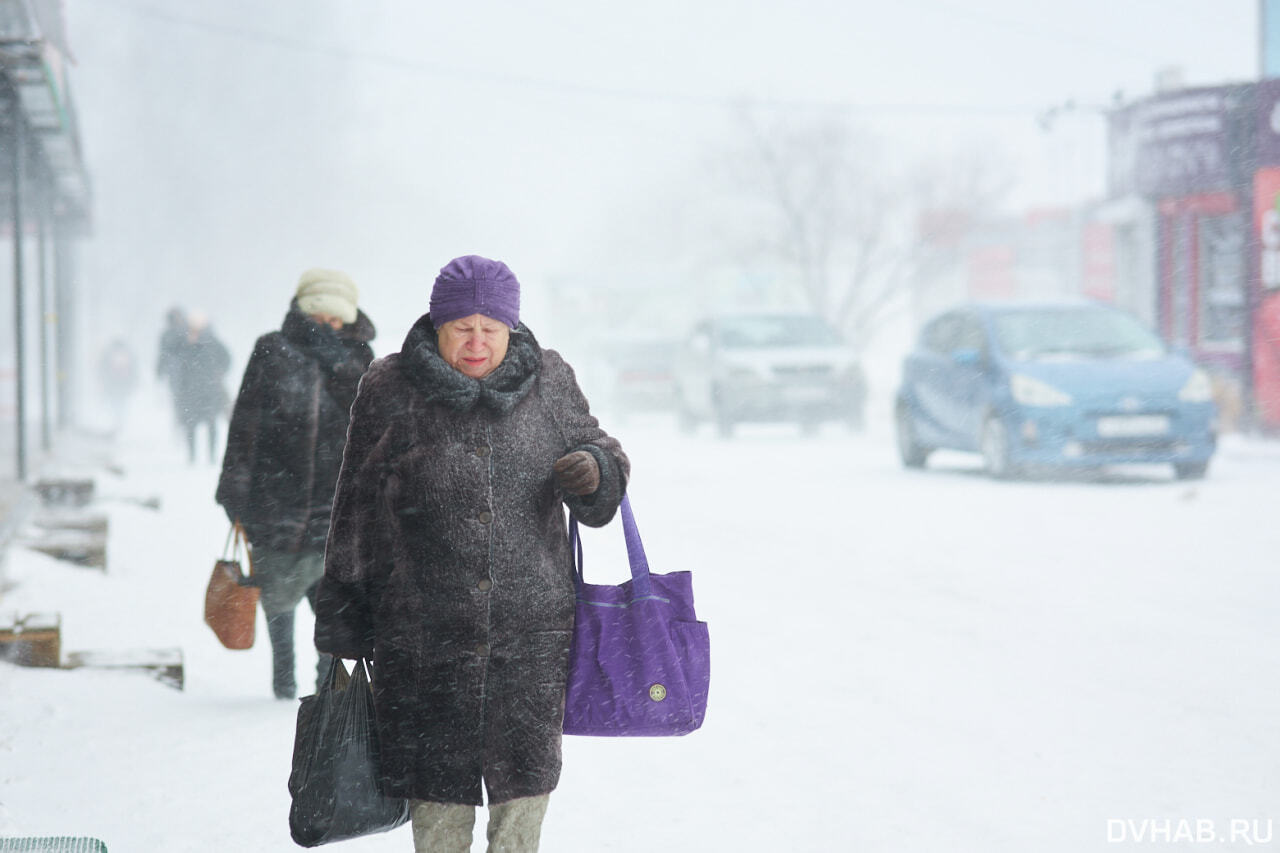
(33, 60)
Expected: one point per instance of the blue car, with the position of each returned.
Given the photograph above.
(1056, 384)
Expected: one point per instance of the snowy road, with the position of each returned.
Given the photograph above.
(902, 661)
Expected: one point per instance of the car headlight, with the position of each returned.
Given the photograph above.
(1199, 389)
(1033, 392)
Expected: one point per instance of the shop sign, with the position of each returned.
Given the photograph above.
(1268, 123)
(1173, 145)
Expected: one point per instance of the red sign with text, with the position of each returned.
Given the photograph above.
(1266, 319)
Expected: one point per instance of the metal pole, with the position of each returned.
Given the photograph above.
(42, 278)
(19, 308)
(64, 288)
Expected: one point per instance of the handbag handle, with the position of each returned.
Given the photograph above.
(635, 551)
(236, 539)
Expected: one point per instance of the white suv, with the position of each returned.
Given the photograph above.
(769, 366)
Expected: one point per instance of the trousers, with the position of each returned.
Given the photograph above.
(286, 579)
(514, 826)
(189, 429)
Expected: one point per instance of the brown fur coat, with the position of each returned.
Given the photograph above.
(448, 564)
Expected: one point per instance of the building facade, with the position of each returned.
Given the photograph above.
(44, 209)
(1187, 238)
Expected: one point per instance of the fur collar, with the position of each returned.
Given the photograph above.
(442, 383)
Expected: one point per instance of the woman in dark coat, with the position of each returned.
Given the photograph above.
(448, 560)
(284, 448)
(199, 396)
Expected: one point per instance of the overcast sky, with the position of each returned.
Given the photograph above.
(233, 144)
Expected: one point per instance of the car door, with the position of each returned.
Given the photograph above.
(947, 380)
(924, 374)
(694, 371)
(969, 378)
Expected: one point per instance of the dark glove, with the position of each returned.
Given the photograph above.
(577, 473)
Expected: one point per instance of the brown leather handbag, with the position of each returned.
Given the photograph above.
(231, 599)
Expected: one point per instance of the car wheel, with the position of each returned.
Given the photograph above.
(1190, 470)
(912, 452)
(995, 449)
(724, 425)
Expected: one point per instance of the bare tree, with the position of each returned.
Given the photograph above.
(951, 195)
(821, 198)
(815, 200)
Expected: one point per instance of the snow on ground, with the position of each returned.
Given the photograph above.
(902, 661)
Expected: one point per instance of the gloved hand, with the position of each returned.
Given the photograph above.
(577, 473)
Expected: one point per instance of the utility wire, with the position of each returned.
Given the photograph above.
(561, 87)
(1054, 35)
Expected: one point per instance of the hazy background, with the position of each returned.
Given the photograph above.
(233, 144)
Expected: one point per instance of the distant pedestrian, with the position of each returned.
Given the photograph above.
(172, 339)
(117, 379)
(199, 396)
(284, 448)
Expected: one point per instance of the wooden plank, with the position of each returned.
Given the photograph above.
(64, 491)
(71, 520)
(73, 546)
(32, 640)
(164, 665)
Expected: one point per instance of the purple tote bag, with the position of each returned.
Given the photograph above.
(640, 661)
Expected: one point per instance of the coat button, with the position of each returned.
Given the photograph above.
(485, 585)
(485, 517)
(482, 451)
(657, 693)
(483, 650)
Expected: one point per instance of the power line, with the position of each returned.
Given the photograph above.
(1056, 35)
(567, 88)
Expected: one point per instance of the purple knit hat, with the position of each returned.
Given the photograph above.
(475, 285)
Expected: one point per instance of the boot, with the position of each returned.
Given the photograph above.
(441, 827)
(516, 825)
(280, 630)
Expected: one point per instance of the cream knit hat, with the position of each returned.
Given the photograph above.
(323, 291)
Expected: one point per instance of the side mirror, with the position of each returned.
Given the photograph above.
(967, 358)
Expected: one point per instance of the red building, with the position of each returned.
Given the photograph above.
(1206, 164)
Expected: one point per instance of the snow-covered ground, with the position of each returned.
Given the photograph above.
(902, 661)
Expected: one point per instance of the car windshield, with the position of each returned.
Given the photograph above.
(633, 353)
(780, 331)
(1074, 333)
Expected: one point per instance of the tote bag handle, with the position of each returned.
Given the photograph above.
(237, 540)
(635, 551)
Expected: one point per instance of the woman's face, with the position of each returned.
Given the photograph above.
(474, 345)
(331, 320)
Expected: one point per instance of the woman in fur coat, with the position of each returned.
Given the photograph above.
(284, 449)
(448, 562)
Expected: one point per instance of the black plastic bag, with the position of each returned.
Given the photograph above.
(334, 781)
